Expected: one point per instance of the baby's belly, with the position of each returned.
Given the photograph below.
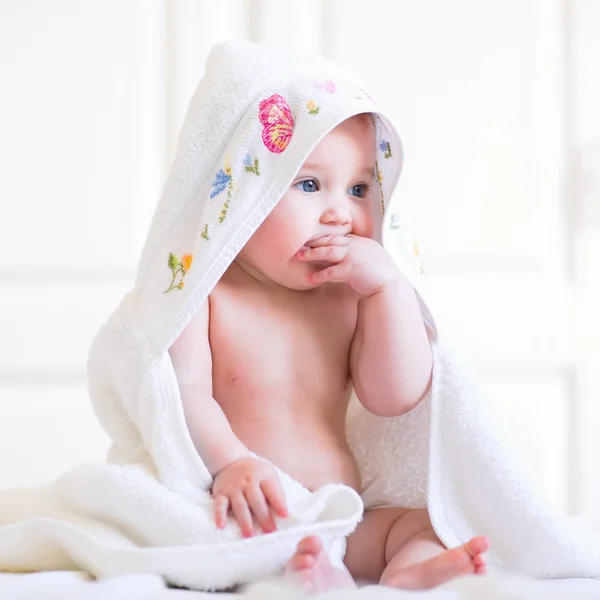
(311, 451)
(280, 372)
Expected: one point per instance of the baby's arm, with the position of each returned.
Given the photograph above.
(390, 359)
(242, 483)
(208, 426)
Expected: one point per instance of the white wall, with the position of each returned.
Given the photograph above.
(497, 104)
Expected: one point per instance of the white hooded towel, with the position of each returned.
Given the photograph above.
(256, 115)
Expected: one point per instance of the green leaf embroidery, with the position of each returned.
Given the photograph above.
(173, 261)
(251, 167)
(223, 213)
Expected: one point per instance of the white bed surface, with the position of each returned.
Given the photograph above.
(71, 585)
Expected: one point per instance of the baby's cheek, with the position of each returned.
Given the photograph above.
(288, 234)
(364, 226)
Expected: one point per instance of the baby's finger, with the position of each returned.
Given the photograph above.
(334, 254)
(221, 508)
(242, 514)
(258, 506)
(329, 240)
(275, 495)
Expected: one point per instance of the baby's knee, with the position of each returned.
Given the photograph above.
(414, 521)
(407, 526)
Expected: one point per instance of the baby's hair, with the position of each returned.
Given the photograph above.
(368, 118)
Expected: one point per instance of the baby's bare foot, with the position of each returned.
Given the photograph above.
(311, 568)
(464, 560)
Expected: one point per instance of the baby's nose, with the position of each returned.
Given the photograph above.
(336, 215)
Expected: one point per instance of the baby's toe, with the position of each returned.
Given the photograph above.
(477, 545)
(306, 562)
(310, 545)
(479, 560)
(301, 562)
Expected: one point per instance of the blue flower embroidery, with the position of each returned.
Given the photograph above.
(385, 147)
(221, 181)
(251, 165)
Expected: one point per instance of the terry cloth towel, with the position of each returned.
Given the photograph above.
(256, 115)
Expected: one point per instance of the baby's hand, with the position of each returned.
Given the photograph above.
(249, 486)
(361, 262)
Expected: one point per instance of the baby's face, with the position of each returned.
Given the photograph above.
(332, 194)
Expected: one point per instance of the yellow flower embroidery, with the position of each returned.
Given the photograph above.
(225, 208)
(177, 266)
(380, 180)
(186, 262)
(418, 256)
(313, 109)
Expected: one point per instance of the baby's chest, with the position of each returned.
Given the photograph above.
(255, 342)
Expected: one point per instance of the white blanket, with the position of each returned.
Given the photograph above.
(255, 117)
(68, 585)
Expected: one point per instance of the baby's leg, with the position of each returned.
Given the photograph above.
(398, 547)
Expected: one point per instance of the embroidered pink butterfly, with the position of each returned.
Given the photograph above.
(278, 123)
(327, 86)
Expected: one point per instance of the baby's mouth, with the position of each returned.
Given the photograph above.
(307, 246)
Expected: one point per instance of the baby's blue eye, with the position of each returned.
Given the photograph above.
(308, 185)
(359, 190)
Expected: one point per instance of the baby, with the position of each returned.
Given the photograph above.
(311, 308)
